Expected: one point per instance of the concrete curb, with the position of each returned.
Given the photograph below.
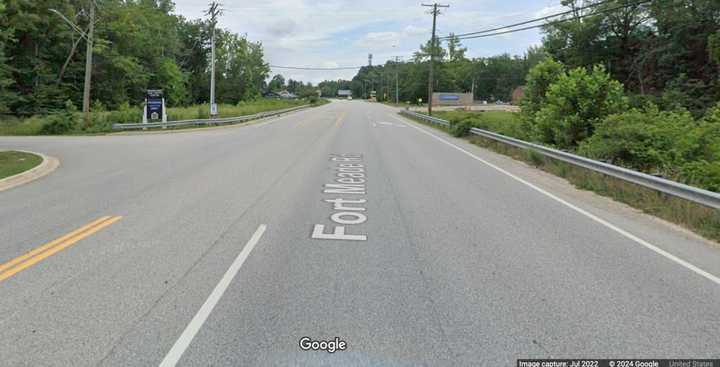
(45, 167)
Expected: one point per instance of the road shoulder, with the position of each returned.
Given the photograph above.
(667, 236)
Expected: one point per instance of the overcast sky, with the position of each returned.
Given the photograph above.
(332, 33)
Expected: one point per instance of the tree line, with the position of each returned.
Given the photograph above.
(139, 45)
(665, 51)
(490, 78)
(297, 87)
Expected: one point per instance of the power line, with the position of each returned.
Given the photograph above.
(316, 68)
(320, 68)
(553, 22)
(531, 21)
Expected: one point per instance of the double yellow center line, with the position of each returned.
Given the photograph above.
(340, 118)
(33, 257)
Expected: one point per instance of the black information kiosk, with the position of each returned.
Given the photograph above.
(154, 106)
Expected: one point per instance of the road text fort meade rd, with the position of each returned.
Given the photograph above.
(348, 204)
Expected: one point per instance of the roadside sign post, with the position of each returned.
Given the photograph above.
(154, 107)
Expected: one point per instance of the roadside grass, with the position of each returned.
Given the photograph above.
(227, 110)
(13, 162)
(698, 218)
(17, 126)
(101, 121)
(501, 122)
(320, 102)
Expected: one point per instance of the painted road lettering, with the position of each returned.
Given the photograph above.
(349, 180)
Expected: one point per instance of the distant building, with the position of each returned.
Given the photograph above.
(344, 93)
(518, 94)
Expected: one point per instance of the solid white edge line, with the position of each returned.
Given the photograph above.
(177, 350)
(607, 224)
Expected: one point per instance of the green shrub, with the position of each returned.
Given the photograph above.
(537, 84)
(98, 119)
(501, 122)
(703, 166)
(124, 115)
(203, 112)
(707, 135)
(714, 47)
(11, 125)
(461, 128)
(639, 101)
(575, 104)
(702, 174)
(61, 122)
(535, 158)
(648, 140)
(693, 94)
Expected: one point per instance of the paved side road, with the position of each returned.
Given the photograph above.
(346, 223)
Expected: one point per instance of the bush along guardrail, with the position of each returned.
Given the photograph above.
(704, 197)
(201, 122)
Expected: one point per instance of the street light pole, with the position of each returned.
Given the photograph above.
(397, 93)
(213, 109)
(214, 11)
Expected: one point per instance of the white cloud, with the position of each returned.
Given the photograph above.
(332, 33)
(549, 10)
(379, 40)
(282, 27)
(412, 30)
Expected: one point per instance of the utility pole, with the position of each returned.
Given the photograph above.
(214, 11)
(397, 93)
(89, 40)
(88, 63)
(472, 89)
(435, 12)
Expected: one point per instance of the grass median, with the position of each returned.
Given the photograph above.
(698, 218)
(13, 162)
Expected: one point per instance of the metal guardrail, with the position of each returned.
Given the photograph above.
(694, 194)
(200, 122)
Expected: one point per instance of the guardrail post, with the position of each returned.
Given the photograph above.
(144, 119)
(164, 115)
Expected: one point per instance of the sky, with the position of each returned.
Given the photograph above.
(339, 33)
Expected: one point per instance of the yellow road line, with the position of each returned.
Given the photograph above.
(340, 118)
(50, 244)
(33, 257)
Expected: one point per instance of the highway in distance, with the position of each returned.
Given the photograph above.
(402, 246)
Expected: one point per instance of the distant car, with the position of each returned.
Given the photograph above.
(349, 98)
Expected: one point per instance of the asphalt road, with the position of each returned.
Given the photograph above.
(212, 253)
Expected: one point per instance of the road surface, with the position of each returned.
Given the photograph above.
(226, 246)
